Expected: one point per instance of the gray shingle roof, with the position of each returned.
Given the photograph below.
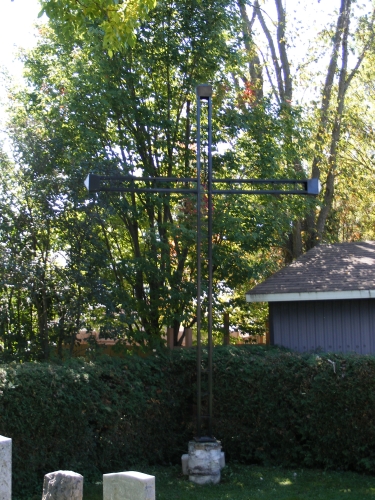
(326, 269)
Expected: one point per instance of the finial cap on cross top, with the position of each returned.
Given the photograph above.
(204, 91)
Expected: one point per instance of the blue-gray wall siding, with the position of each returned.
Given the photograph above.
(330, 325)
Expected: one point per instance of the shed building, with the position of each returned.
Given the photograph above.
(323, 301)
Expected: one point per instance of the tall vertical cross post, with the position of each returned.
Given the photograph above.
(129, 183)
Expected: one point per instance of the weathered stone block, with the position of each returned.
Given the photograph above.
(63, 485)
(5, 468)
(222, 460)
(185, 463)
(204, 462)
(129, 485)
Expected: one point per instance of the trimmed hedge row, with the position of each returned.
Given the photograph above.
(91, 417)
(271, 407)
(294, 410)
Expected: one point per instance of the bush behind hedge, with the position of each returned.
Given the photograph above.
(270, 406)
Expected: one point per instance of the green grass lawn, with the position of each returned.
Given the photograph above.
(241, 482)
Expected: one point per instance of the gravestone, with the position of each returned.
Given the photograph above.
(63, 485)
(5, 468)
(129, 485)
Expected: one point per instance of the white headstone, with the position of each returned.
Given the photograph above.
(5, 468)
(63, 485)
(129, 485)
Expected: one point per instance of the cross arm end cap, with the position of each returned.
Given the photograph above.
(92, 182)
(204, 91)
(313, 186)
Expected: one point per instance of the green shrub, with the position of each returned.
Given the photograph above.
(276, 407)
(90, 417)
(270, 407)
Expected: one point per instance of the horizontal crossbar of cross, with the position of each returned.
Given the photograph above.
(95, 182)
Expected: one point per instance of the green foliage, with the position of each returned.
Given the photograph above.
(116, 19)
(312, 411)
(91, 417)
(270, 407)
(351, 218)
(127, 262)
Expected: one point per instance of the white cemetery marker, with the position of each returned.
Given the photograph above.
(63, 485)
(5, 468)
(129, 485)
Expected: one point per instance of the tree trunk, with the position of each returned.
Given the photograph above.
(308, 233)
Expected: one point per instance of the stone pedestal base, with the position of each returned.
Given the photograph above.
(5, 468)
(204, 462)
(185, 463)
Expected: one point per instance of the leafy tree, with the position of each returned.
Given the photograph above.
(44, 283)
(351, 217)
(130, 259)
(352, 33)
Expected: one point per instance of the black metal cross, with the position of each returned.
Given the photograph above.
(128, 183)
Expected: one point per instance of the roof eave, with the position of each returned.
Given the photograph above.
(301, 296)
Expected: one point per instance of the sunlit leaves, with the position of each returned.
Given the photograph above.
(116, 19)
